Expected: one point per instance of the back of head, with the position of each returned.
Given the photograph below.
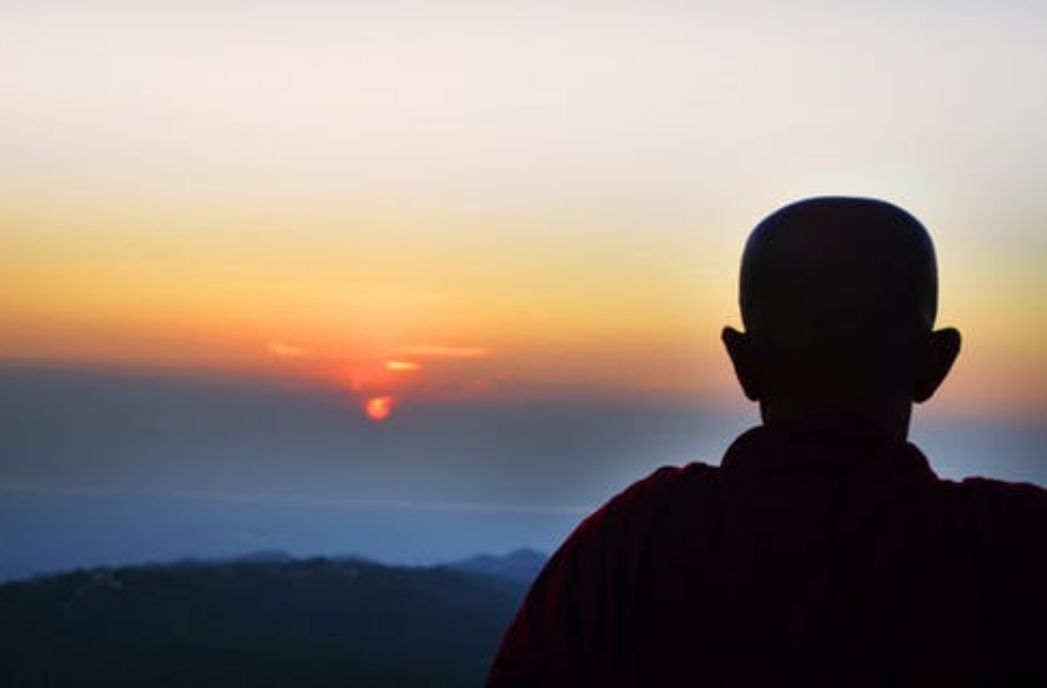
(838, 296)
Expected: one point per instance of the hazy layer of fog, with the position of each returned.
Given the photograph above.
(102, 467)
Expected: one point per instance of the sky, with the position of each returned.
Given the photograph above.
(459, 208)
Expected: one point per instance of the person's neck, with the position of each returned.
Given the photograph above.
(891, 420)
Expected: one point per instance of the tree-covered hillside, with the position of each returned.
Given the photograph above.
(246, 623)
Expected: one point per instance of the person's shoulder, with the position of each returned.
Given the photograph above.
(1003, 495)
(1005, 513)
(662, 486)
(636, 509)
(1010, 530)
(556, 637)
(612, 535)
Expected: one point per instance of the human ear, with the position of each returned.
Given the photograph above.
(942, 349)
(739, 348)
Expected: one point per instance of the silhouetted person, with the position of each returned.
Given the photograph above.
(823, 551)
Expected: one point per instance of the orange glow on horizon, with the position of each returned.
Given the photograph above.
(379, 408)
(405, 330)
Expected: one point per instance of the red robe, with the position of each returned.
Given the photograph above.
(806, 559)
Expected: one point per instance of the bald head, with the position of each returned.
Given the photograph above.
(839, 298)
(834, 272)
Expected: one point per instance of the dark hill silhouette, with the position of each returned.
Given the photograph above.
(266, 621)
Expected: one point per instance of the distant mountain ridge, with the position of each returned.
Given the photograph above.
(520, 565)
(264, 556)
(262, 619)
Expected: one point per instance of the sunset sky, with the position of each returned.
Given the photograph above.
(425, 203)
(564, 187)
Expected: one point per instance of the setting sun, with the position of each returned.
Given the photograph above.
(379, 408)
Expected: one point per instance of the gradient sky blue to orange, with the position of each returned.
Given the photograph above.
(508, 199)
